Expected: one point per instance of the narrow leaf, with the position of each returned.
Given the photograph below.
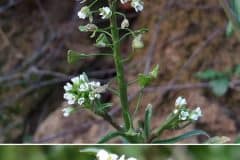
(182, 137)
(109, 136)
(147, 120)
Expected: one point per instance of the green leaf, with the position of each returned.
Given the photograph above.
(147, 121)
(218, 140)
(89, 151)
(182, 137)
(219, 86)
(110, 136)
(209, 75)
(74, 56)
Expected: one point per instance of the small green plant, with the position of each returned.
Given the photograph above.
(84, 93)
(219, 82)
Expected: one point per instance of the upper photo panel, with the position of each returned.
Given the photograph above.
(120, 71)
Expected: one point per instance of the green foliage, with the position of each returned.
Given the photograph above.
(218, 81)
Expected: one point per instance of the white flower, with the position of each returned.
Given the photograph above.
(67, 111)
(124, 1)
(75, 80)
(175, 111)
(84, 12)
(91, 96)
(122, 157)
(98, 96)
(70, 98)
(131, 158)
(68, 87)
(137, 5)
(180, 102)
(195, 114)
(104, 155)
(94, 85)
(105, 12)
(83, 87)
(183, 115)
(81, 91)
(83, 77)
(125, 23)
(81, 101)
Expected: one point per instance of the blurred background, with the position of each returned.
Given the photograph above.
(140, 152)
(184, 38)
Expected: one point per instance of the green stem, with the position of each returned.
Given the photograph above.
(163, 126)
(119, 69)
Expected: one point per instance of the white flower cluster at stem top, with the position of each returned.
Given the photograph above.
(185, 113)
(106, 12)
(81, 91)
(104, 155)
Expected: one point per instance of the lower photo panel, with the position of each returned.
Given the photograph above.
(129, 152)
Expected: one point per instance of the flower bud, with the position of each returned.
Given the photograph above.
(125, 23)
(102, 40)
(137, 42)
(84, 12)
(88, 28)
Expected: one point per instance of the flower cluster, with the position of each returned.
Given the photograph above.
(184, 112)
(82, 92)
(104, 155)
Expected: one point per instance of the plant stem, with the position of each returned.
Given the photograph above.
(119, 68)
(163, 126)
(110, 120)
